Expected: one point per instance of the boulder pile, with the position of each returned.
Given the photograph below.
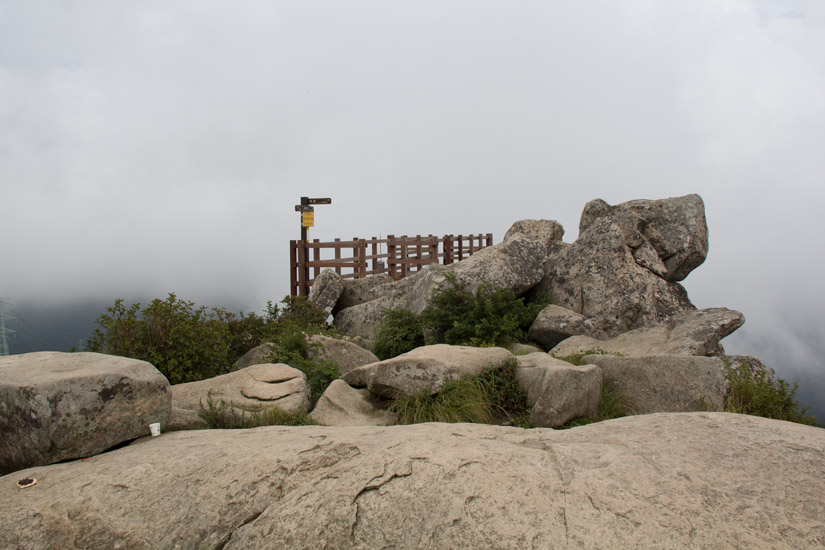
(699, 478)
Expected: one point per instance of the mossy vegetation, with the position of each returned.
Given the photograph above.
(576, 358)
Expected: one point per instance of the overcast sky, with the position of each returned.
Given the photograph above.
(160, 146)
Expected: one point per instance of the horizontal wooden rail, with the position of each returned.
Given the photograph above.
(404, 255)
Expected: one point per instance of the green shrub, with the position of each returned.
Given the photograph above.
(188, 343)
(458, 401)
(224, 416)
(183, 342)
(488, 317)
(761, 393)
(612, 405)
(400, 332)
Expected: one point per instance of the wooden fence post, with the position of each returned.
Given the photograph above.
(337, 249)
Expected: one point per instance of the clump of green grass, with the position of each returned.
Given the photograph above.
(492, 397)
(760, 392)
(458, 401)
(400, 332)
(225, 416)
(611, 406)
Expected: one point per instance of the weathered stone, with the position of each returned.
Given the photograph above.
(691, 480)
(258, 387)
(363, 320)
(547, 232)
(256, 356)
(689, 333)
(326, 289)
(347, 355)
(665, 383)
(671, 235)
(598, 278)
(343, 405)
(426, 368)
(555, 323)
(58, 406)
(359, 291)
(558, 392)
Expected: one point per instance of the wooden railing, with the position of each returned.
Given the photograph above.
(400, 257)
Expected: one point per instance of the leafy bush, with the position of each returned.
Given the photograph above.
(183, 342)
(188, 343)
(761, 393)
(488, 317)
(400, 332)
(224, 416)
(458, 401)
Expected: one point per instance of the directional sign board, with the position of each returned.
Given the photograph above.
(307, 219)
(303, 208)
(319, 201)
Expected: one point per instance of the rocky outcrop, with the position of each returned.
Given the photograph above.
(598, 278)
(359, 291)
(345, 354)
(547, 232)
(691, 333)
(668, 236)
(326, 289)
(255, 388)
(256, 356)
(343, 405)
(426, 368)
(700, 480)
(665, 383)
(59, 406)
(557, 391)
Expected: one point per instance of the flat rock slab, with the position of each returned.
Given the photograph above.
(57, 406)
(665, 383)
(694, 480)
(689, 333)
(258, 387)
(426, 368)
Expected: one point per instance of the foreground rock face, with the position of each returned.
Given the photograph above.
(702, 480)
(58, 406)
(258, 387)
(343, 405)
(691, 333)
(426, 368)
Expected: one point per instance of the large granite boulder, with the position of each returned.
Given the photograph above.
(426, 368)
(59, 406)
(547, 232)
(690, 333)
(326, 289)
(599, 278)
(255, 388)
(668, 236)
(359, 291)
(665, 383)
(343, 405)
(558, 392)
(347, 355)
(694, 480)
(256, 356)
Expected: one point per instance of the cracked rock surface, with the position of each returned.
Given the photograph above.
(696, 480)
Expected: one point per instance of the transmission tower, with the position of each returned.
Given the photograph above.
(4, 332)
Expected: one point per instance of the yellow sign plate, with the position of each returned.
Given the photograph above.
(307, 219)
